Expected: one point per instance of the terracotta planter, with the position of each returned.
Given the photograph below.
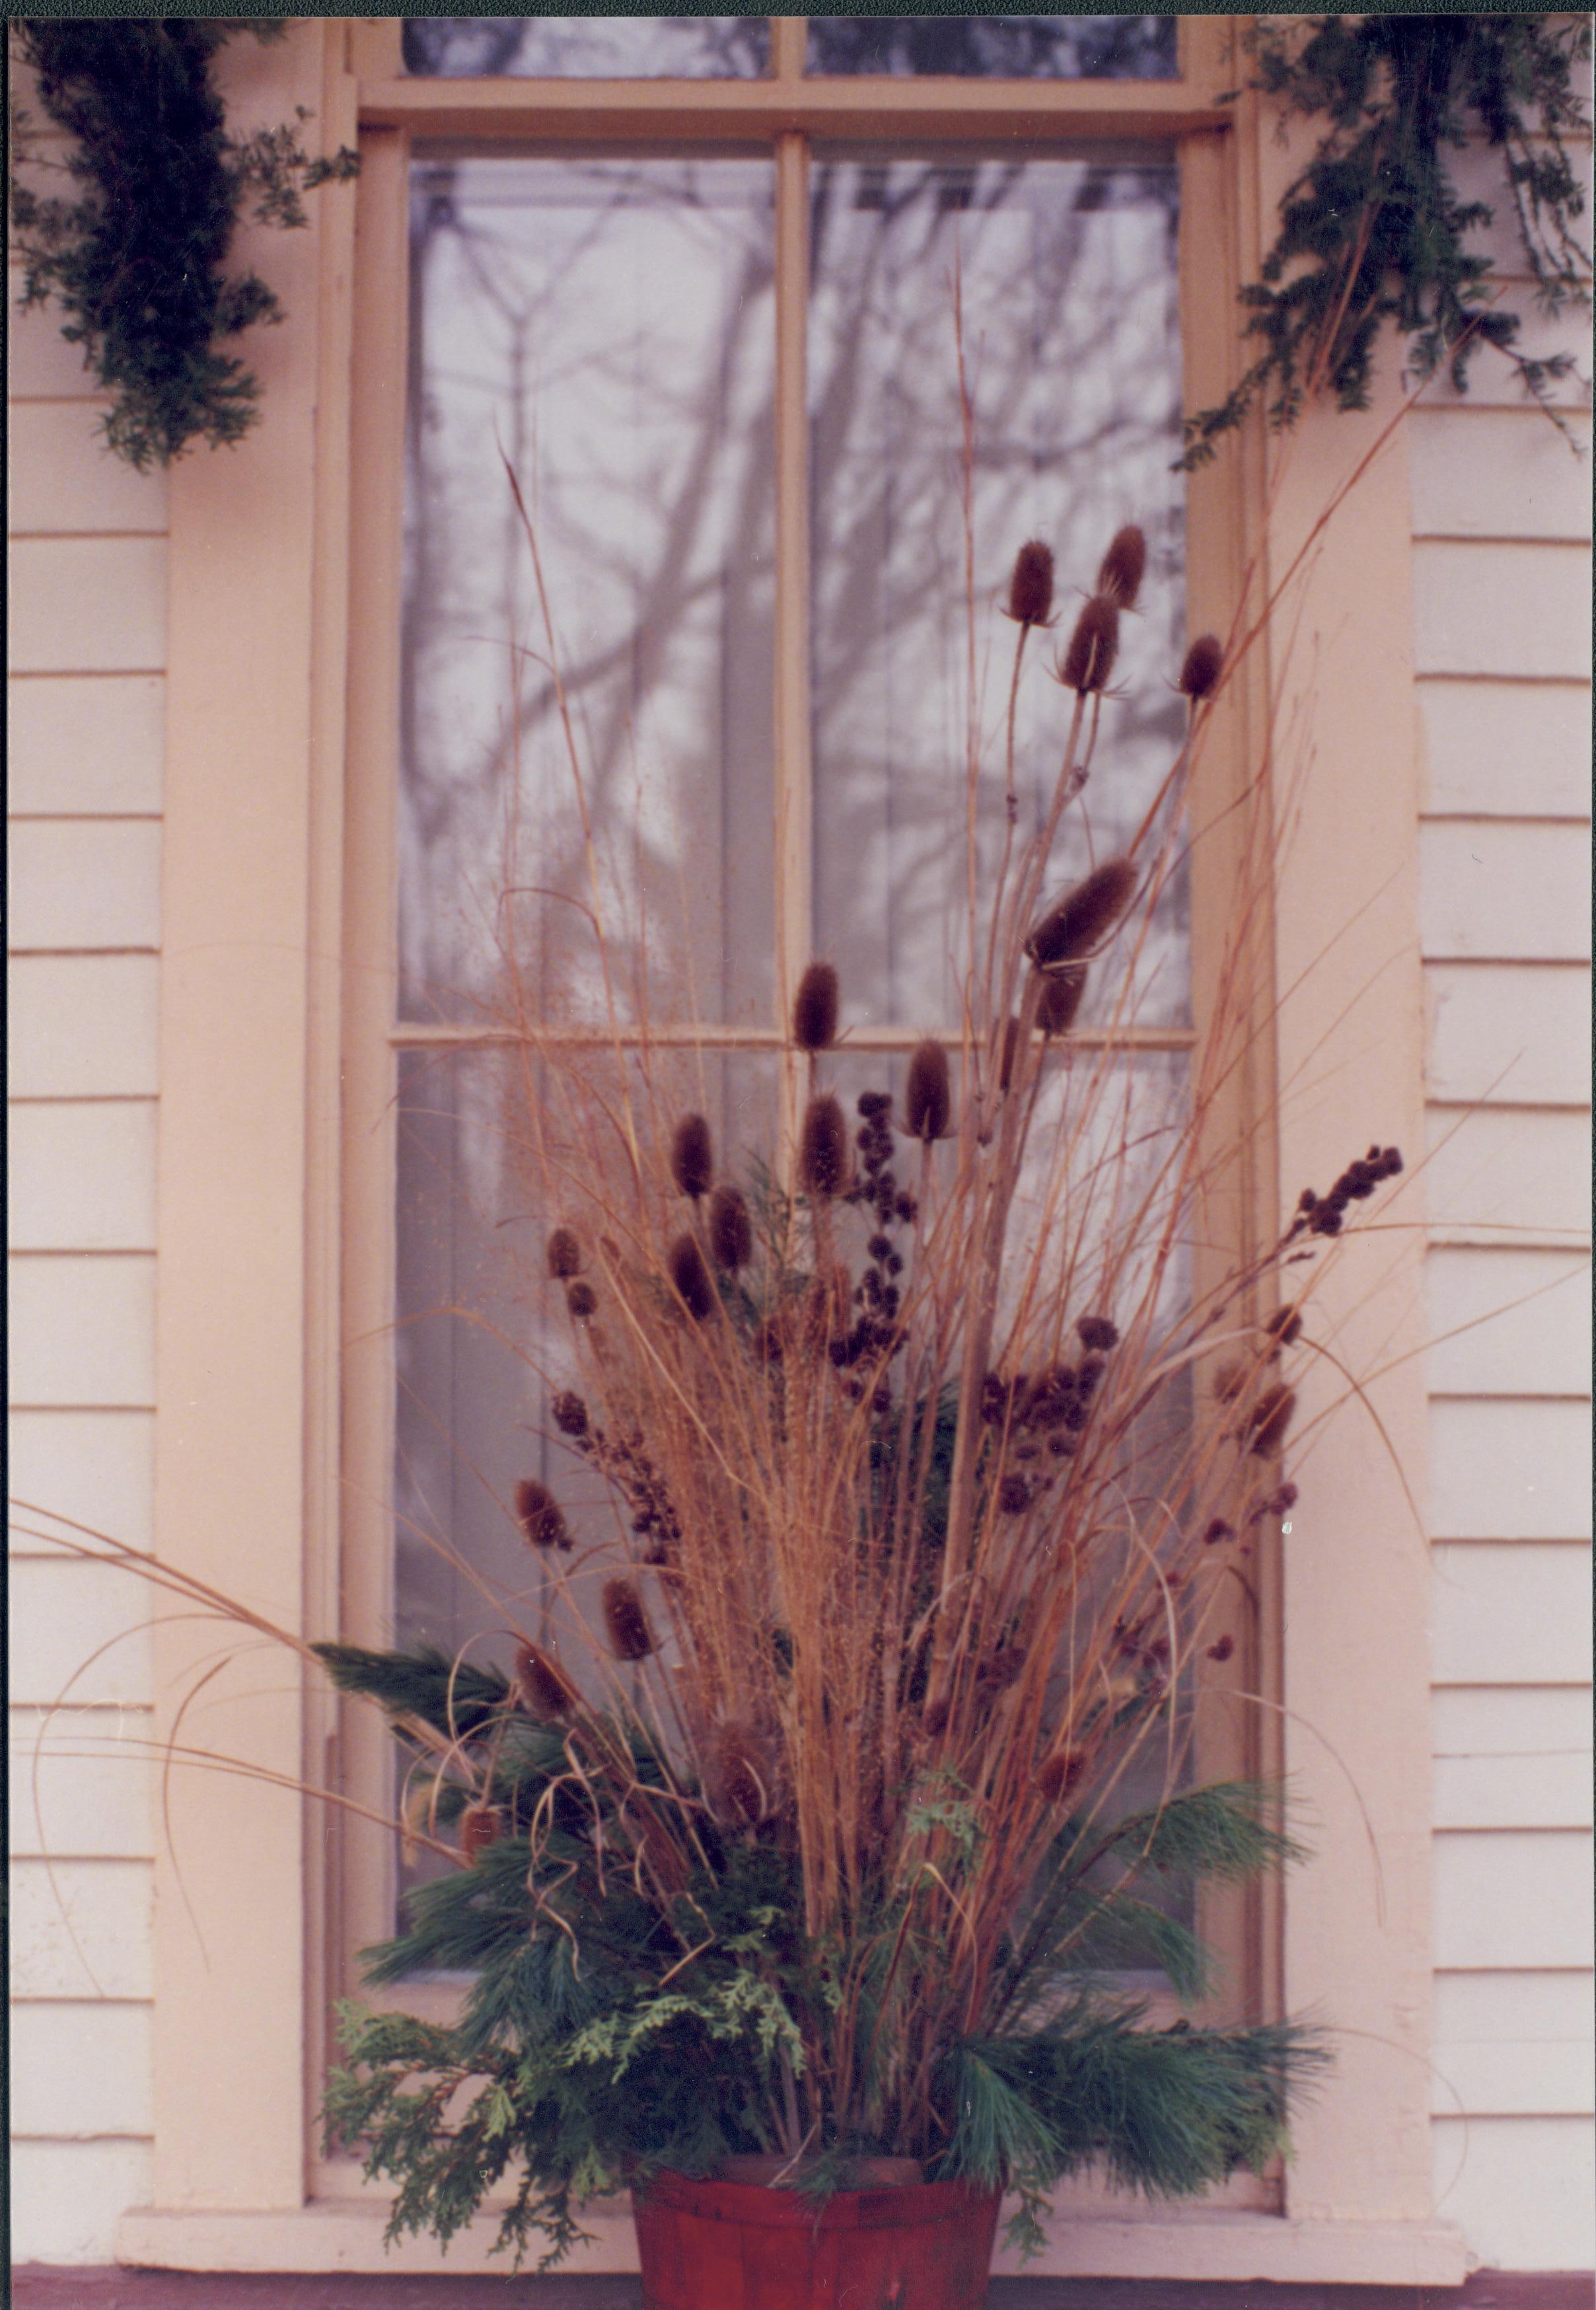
(740, 2245)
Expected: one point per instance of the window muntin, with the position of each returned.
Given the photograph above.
(587, 47)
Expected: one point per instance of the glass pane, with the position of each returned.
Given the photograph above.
(606, 327)
(1065, 273)
(588, 48)
(996, 48)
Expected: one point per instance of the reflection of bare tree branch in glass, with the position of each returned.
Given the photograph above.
(1006, 48)
(605, 48)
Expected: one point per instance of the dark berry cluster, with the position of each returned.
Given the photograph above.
(1324, 1214)
(625, 1465)
(874, 1335)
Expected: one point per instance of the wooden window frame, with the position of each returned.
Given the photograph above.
(237, 2179)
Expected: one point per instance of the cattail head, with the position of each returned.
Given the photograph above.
(1270, 1418)
(814, 1009)
(565, 1254)
(541, 1685)
(928, 1095)
(481, 1826)
(1204, 664)
(539, 1515)
(1125, 565)
(630, 1637)
(1030, 589)
(692, 1157)
(1060, 1000)
(691, 1278)
(1078, 923)
(570, 1413)
(580, 1300)
(1094, 646)
(823, 1148)
(731, 1231)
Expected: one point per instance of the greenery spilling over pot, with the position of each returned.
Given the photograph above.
(137, 258)
(1373, 228)
(841, 1755)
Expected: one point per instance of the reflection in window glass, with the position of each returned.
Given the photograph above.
(588, 48)
(996, 48)
(606, 327)
(1066, 276)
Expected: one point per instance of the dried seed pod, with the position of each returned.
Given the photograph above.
(1098, 1333)
(814, 1009)
(1272, 1417)
(481, 1826)
(1223, 1649)
(1204, 664)
(1218, 1533)
(630, 1637)
(539, 1515)
(1285, 1327)
(1013, 1495)
(999, 1668)
(580, 1300)
(731, 1231)
(1078, 923)
(570, 1413)
(1058, 1774)
(823, 1148)
(1030, 587)
(1094, 646)
(737, 1787)
(542, 1685)
(1006, 1063)
(692, 1157)
(1125, 565)
(928, 1095)
(1059, 1001)
(691, 1278)
(565, 1254)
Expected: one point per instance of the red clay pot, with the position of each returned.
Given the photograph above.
(734, 2246)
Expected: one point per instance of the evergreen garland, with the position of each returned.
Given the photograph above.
(137, 261)
(1374, 229)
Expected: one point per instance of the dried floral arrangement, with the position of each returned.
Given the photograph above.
(802, 1826)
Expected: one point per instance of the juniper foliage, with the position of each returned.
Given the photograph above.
(137, 258)
(1374, 229)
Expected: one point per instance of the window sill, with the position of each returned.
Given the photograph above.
(347, 2237)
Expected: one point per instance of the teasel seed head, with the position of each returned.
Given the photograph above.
(581, 1300)
(1272, 1417)
(1098, 1333)
(1201, 670)
(731, 1231)
(1218, 1533)
(1013, 1495)
(1094, 646)
(540, 1517)
(543, 1686)
(928, 1095)
(1058, 1774)
(1125, 565)
(1060, 1000)
(692, 1157)
(1030, 587)
(1285, 1327)
(739, 1789)
(1077, 924)
(565, 1255)
(814, 1009)
(1223, 1649)
(570, 1413)
(823, 1149)
(630, 1637)
(691, 1278)
(481, 1826)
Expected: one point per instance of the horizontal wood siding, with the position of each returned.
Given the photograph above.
(1501, 523)
(86, 704)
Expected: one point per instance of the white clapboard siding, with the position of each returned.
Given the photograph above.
(65, 481)
(1522, 1172)
(83, 1329)
(80, 1175)
(67, 2197)
(81, 1928)
(84, 1026)
(1507, 750)
(1510, 1612)
(84, 885)
(1508, 1322)
(1520, 2186)
(1513, 2044)
(1505, 892)
(96, 1467)
(86, 745)
(1513, 1035)
(81, 1783)
(1492, 378)
(1512, 1900)
(1507, 1720)
(1509, 1468)
(80, 2071)
(39, 364)
(88, 604)
(1535, 1791)
(60, 1613)
(1499, 472)
(1484, 607)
